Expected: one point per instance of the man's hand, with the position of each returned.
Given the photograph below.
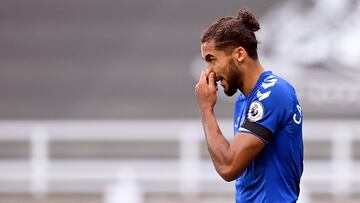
(205, 91)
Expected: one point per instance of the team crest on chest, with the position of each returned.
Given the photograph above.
(256, 111)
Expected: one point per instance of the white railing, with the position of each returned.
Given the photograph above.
(186, 175)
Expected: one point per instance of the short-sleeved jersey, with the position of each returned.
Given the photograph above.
(272, 113)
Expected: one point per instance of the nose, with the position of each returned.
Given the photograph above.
(209, 68)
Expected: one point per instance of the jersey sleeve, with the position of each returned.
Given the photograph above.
(266, 113)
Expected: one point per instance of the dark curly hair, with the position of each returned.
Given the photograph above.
(234, 31)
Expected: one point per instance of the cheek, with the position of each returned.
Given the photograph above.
(220, 69)
(231, 72)
(226, 74)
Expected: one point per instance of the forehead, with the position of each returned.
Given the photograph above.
(208, 48)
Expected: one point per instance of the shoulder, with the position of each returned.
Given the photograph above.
(275, 90)
(274, 97)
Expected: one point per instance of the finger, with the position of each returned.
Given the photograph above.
(212, 83)
(207, 72)
(202, 77)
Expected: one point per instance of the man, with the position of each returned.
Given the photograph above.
(266, 155)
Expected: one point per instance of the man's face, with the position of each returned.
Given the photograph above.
(222, 65)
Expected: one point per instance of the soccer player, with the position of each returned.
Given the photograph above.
(266, 155)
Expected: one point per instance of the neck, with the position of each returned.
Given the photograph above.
(250, 75)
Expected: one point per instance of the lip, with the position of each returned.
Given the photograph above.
(218, 78)
(222, 82)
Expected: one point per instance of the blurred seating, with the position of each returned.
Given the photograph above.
(160, 159)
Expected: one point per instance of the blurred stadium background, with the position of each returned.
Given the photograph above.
(97, 100)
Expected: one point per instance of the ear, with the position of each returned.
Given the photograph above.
(239, 54)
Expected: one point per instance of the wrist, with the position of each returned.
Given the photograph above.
(207, 111)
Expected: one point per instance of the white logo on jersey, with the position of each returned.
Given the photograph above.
(256, 111)
(269, 82)
(262, 96)
(297, 121)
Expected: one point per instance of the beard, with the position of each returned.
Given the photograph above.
(231, 88)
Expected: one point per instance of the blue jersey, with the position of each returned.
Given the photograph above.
(271, 112)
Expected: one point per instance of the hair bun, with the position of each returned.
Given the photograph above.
(249, 20)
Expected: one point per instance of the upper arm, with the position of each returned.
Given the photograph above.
(267, 113)
(264, 115)
(243, 149)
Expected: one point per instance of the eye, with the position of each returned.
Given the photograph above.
(210, 59)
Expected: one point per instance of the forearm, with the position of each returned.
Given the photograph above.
(218, 146)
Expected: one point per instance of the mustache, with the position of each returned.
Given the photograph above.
(218, 77)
